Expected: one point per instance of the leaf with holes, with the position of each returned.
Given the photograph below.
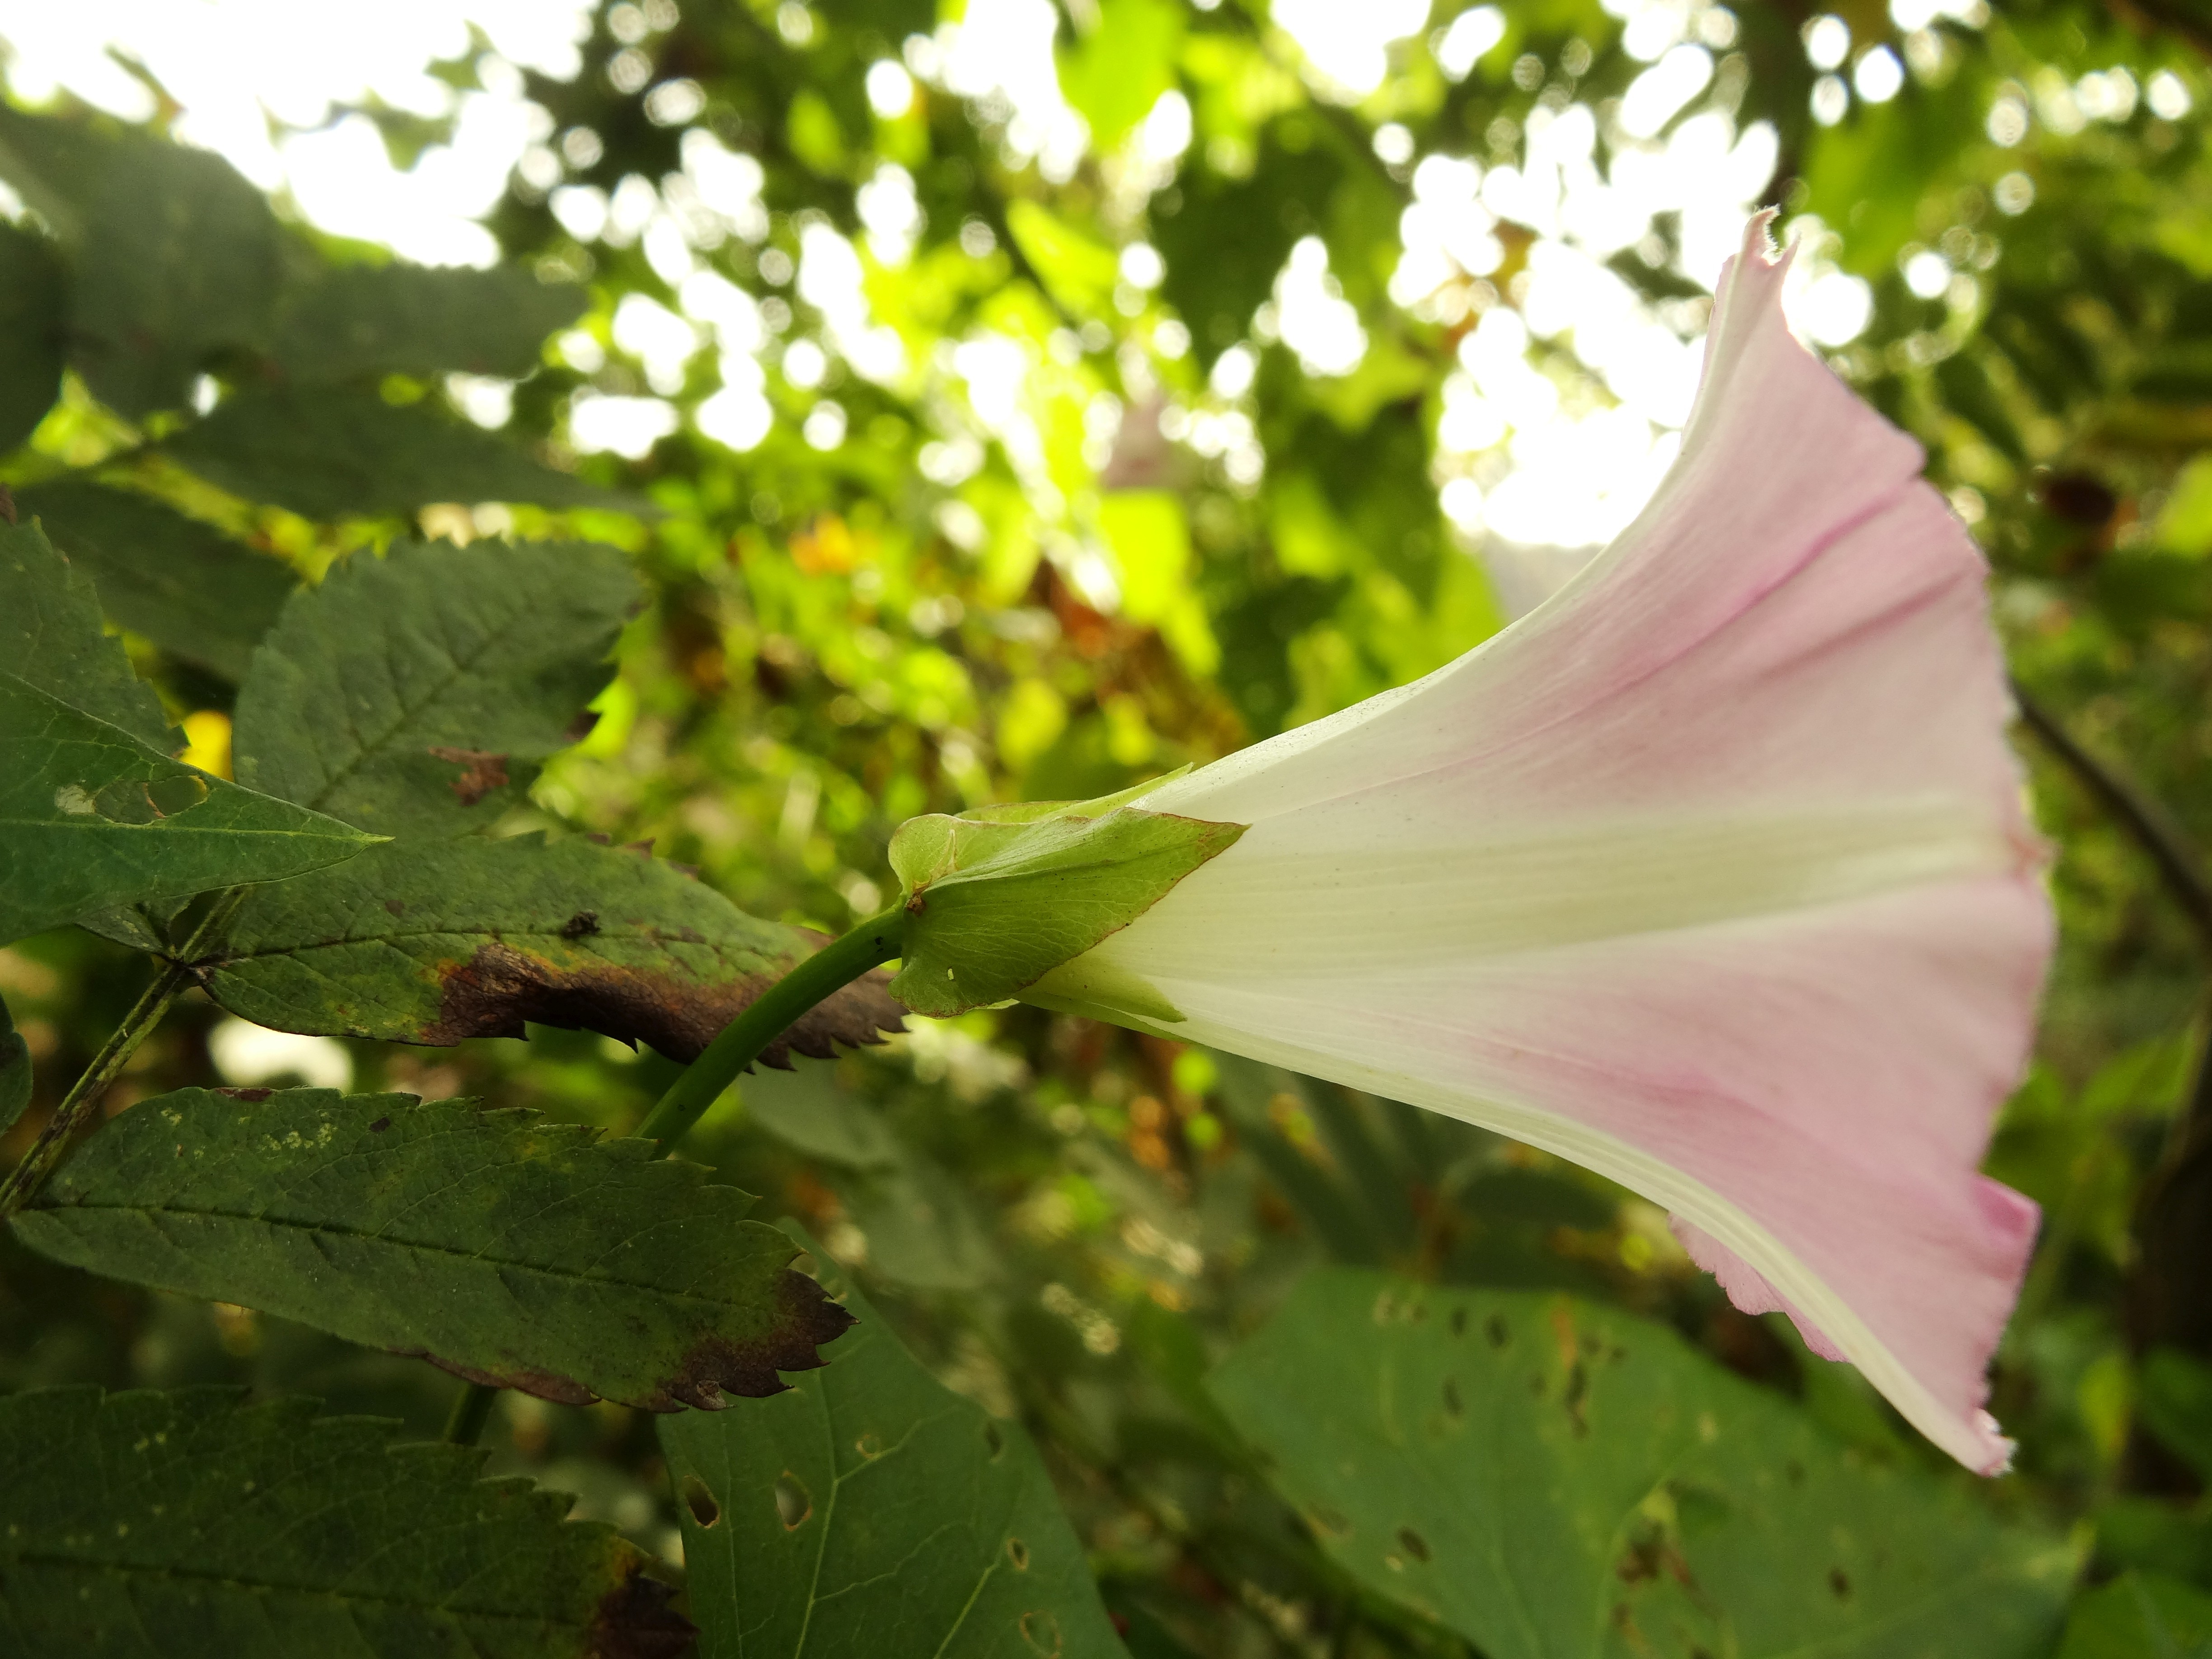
(325, 453)
(872, 1510)
(91, 818)
(183, 584)
(434, 942)
(507, 1248)
(418, 692)
(1549, 1478)
(193, 1525)
(412, 320)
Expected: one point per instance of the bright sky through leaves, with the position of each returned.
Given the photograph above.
(1571, 476)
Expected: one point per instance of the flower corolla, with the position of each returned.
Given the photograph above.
(1713, 874)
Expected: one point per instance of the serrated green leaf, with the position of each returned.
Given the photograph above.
(34, 298)
(51, 637)
(193, 1525)
(183, 584)
(435, 942)
(504, 1247)
(2140, 1616)
(179, 259)
(872, 1510)
(14, 1072)
(326, 453)
(1549, 1478)
(419, 691)
(91, 818)
(993, 907)
(410, 319)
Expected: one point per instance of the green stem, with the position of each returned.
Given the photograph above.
(37, 1165)
(464, 1424)
(743, 1040)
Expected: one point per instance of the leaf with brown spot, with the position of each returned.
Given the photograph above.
(434, 942)
(195, 1524)
(373, 685)
(95, 822)
(507, 1248)
(481, 771)
(870, 1510)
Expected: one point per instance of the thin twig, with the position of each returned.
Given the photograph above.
(178, 974)
(2142, 816)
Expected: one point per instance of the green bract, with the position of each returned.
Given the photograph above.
(998, 898)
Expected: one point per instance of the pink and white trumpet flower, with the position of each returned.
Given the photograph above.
(1712, 874)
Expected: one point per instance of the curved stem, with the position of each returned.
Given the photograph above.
(743, 1040)
(37, 1165)
(2142, 818)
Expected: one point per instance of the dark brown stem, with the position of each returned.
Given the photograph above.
(2144, 819)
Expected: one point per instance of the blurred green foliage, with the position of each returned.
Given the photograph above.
(1031, 501)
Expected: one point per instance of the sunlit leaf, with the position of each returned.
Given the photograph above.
(407, 320)
(330, 453)
(1118, 70)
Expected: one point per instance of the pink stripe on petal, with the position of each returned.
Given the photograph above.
(1750, 1292)
(1714, 872)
